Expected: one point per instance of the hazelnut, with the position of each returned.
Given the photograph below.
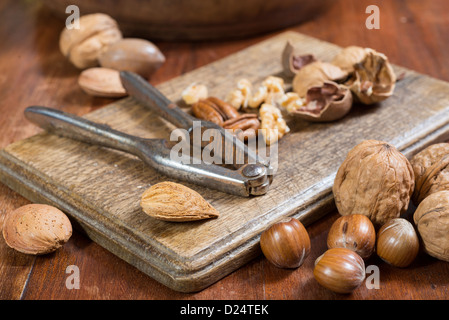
(286, 243)
(82, 46)
(135, 55)
(432, 221)
(355, 232)
(340, 270)
(375, 180)
(36, 229)
(397, 243)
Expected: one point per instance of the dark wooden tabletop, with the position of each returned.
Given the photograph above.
(413, 33)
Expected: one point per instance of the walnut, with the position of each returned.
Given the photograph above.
(83, 46)
(431, 169)
(375, 180)
(432, 221)
(272, 123)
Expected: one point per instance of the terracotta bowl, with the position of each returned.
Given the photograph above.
(197, 19)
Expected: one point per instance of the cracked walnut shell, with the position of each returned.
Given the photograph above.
(315, 74)
(431, 169)
(375, 180)
(432, 221)
(36, 229)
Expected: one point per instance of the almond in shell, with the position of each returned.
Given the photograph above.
(171, 201)
(36, 229)
(102, 82)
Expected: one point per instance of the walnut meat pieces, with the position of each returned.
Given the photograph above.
(272, 124)
(375, 180)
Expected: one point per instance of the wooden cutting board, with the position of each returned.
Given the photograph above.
(100, 188)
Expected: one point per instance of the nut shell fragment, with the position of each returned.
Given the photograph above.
(375, 180)
(293, 60)
(314, 75)
(325, 103)
(348, 57)
(432, 220)
(171, 201)
(374, 79)
(431, 169)
(36, 229)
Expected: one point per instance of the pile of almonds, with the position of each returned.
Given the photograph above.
(99, 49)
(373, 189)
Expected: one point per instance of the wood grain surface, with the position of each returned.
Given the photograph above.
(413, 34)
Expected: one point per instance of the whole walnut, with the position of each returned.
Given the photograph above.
(375, 180)
(431, 168)
(432, 221)
(82, 46)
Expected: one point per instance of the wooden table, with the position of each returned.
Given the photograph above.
(413, 33)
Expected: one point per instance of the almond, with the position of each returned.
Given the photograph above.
(36, 229)
(171, 201)
(102, 82)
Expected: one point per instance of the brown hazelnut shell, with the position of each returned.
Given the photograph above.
(329, 102)
(340, 270)
(432, 221)
(286, 243)
(355, 232)
(375, 180)
(397, 243)
(431, 169)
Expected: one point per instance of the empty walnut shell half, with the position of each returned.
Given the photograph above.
(432, 221)
(431, 169)
(348, 57)
(328, 102)
(375, 180)
(293, 60)
(374, 79)
(315, 74)
(36, 229)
